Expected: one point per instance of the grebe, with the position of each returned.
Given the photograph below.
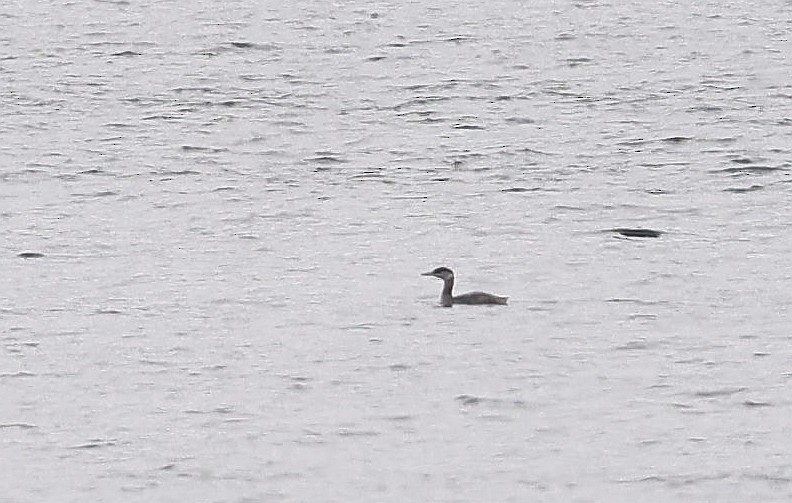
(447, 299)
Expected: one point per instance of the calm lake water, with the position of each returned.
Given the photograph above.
(215, 216)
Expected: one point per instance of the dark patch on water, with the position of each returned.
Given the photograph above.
(94, 444)
(102, 193)
(520, 120)
(749, 170)
(573, 62)
(521, 189)
(719, 392)
(30, 255)
(22, 426)
(359, 326)
(636, 301)
(108, 311)
(633, 346)
(326, 158)
(458, 38)
(194, 148)
(126, 53)
(478, 400)
(169, 173)
(757, 403)
(743, 190)
(637, 233)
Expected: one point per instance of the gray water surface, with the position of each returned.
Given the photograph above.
(228, 206)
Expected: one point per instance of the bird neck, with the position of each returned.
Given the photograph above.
(447, 298)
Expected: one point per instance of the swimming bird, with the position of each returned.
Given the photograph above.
(448, 299)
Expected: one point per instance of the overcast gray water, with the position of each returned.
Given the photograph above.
(214, 216)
